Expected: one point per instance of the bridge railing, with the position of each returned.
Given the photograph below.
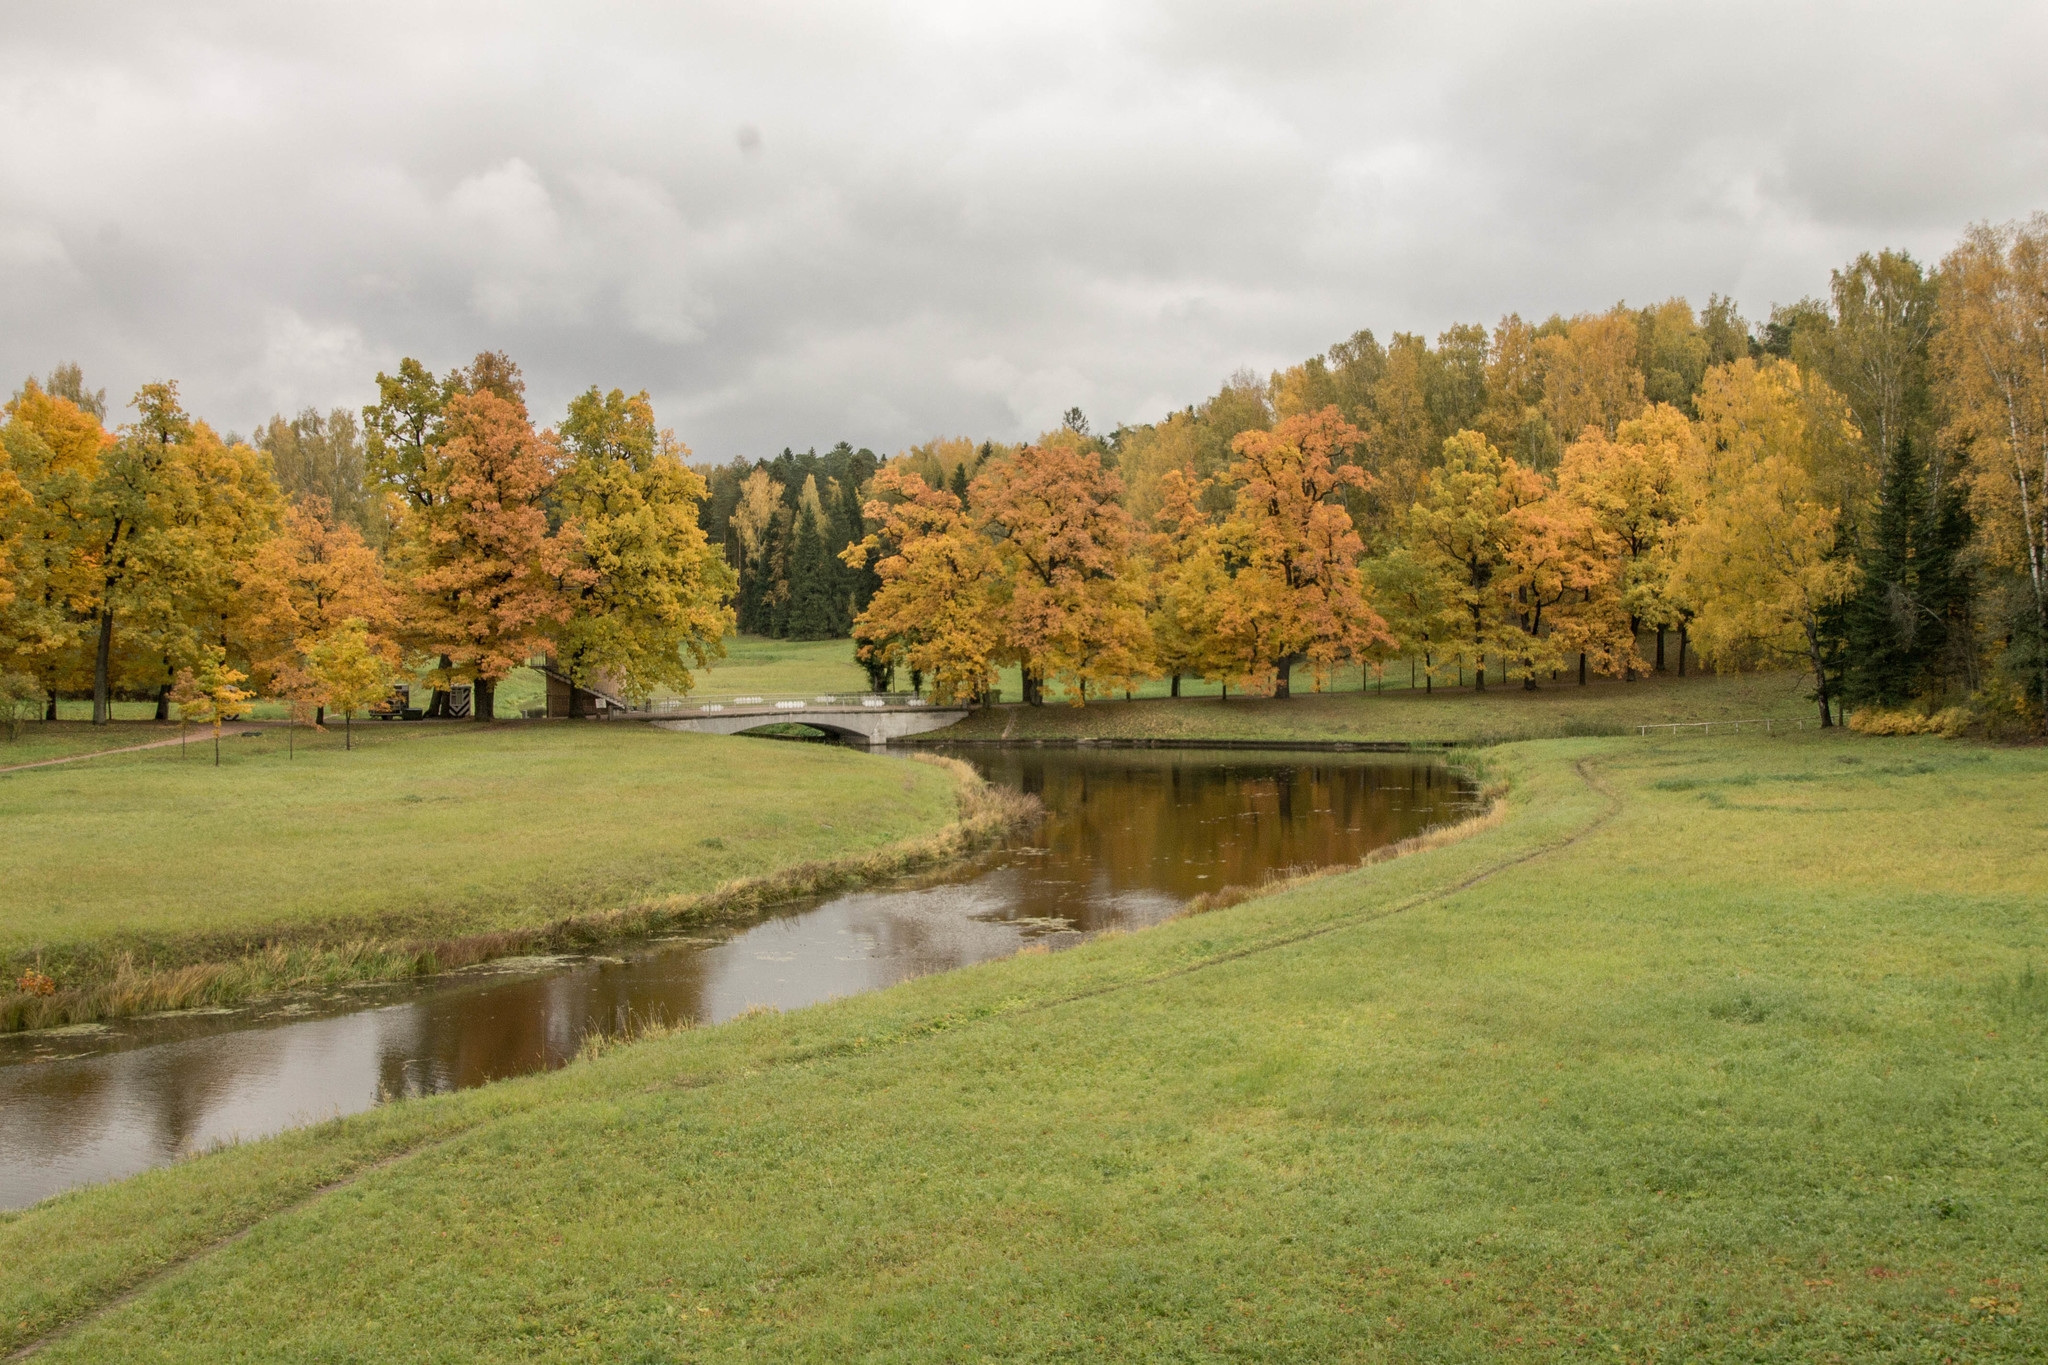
(697, 704)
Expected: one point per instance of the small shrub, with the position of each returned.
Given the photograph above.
(1871, 721)
(33, 982)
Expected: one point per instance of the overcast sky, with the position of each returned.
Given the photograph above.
(794, 224)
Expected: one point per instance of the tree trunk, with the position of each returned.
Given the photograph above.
(1281, 679)
(102, 707)
(50, 711)
(319, 715)
(482, 699)
(437, 705)
(1479, 675)
(1660, 647)
(1681, 649)
(163, 701)
(1582, 668)
(1176, 686)
(348, 731)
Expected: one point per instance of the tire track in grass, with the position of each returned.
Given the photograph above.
(1584, 767)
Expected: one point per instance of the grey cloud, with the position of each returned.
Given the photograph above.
(794, 223)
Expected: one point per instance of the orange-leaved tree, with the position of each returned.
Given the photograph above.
(1296, 592)
(483, 575)
(935, 612)
(1071, 610)
(303, 583)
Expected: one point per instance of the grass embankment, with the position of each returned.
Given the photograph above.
(145, 881)
(1712, 1050)
(1458, 716)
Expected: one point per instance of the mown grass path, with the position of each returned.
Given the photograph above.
(1734, 1060)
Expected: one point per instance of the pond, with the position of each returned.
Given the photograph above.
(1129, 837)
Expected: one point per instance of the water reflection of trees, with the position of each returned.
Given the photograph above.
(1181, 823)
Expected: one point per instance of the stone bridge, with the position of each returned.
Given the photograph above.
(865, 723)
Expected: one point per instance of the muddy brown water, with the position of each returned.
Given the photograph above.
(1129, 836)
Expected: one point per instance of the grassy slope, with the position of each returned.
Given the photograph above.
(1464, 716)
(801, 667)
(1737, 1063)
(444, 829)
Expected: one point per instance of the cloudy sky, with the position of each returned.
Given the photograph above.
(794, 224)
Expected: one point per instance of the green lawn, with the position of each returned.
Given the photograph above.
(1721, 1050)
(1462, 716)
(753, 664)
(435, 830)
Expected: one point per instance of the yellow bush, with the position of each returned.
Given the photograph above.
(1950, 723)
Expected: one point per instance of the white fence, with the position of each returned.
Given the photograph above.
(1707, 727)
(777, 701)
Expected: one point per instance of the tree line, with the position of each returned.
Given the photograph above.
(441, 530)
(1858, 486)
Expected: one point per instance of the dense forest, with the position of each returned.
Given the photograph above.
(1854, 486)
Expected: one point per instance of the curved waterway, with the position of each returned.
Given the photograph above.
(1129, 837)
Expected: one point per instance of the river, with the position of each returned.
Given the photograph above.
(1129, 836)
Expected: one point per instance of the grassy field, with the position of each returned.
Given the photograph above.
(1720, 1050)
(432, 831)
(1458, 715)
(753, 664)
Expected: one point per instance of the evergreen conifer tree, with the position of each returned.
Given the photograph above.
(1914, 586)
(813, 586)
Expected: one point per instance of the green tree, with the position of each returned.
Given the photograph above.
(813, 609)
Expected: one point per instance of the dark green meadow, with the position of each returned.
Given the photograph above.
(1713, 1050)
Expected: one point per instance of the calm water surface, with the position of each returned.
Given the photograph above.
(1129, 836)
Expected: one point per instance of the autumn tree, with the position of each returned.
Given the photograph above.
(1464, 528)
(1639, 485)
(1296, 594)
(1070, 610)
(754, 521)
(647, 589)
(483, 575)
(301, 585)
(348, 669)
(1590, 372)
(53, 448)
(1992, 355)
(935, 612)
(1188, 583)
(210, 693)
(1761, 562)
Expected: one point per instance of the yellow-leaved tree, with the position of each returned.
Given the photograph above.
(1760, 563)
(1464, 531)
(348, 670)
(649, 591)
(210, 693)
(1639, 485)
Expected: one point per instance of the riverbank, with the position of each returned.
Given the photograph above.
(1405, 717)
(1712, 1050)
(144, 882)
